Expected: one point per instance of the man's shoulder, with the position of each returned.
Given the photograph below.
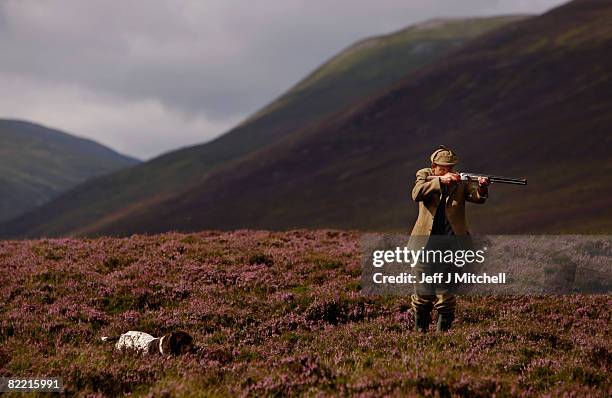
(424, 172)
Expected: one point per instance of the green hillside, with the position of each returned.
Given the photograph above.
(38, 163)
(355, 73)
(376, 62)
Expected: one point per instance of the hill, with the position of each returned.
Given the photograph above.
(355, 73)
(527, 100)
(37, 163)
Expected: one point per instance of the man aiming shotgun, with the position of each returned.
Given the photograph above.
(441, 194)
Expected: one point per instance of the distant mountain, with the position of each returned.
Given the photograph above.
(354, 74)
(37, 163)
(530, 99)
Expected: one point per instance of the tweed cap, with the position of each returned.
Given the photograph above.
(444, 157)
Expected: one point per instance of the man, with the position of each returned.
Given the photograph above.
(441, 196)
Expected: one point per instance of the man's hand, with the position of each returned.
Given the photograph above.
(483, 181)
(450, 178)
(483, 185)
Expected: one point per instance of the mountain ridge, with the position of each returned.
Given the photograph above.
(477, 92)
(176, 171)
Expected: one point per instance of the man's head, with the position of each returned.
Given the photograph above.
(439, 170)
(443, 160)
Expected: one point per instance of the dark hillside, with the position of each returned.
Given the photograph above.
(528, 100)
(355, 73)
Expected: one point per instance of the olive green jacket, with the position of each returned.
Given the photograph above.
(427, 195)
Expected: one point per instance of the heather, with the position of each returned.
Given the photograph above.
(275, 314)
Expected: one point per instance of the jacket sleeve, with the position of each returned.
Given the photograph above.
(472, 194)
(423, 188)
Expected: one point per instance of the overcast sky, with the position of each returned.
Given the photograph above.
(146, 77)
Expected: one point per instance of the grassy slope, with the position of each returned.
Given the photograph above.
(373, 63)
(278, 314)
(37, 163)
(353, 74)
(528, 100)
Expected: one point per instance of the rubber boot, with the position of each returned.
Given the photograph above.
(422, 320)
(444, 322)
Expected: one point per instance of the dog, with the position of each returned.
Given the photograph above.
(175, 343)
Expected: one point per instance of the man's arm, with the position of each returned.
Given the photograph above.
(476, 194)
(423, 188)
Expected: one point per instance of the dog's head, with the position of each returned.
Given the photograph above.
(176, 343)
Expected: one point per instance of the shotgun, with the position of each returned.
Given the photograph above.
(500, 179)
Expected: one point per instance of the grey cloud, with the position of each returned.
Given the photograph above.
(218, 60)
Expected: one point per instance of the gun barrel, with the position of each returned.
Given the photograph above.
(515, 181)
(499, 179)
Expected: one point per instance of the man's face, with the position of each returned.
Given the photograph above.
(440, 170)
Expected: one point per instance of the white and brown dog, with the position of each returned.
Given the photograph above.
(174, 343)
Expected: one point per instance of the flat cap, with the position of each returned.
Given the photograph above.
(444, 157)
